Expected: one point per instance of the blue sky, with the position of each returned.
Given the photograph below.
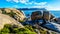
(48, 4)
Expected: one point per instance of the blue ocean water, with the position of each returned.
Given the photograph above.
(28, 12)
(55, 13)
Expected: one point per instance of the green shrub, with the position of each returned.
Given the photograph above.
(29, 27)
(9, 29)
(7, 26)
(5, 30)
(26, 31)
(21, 21)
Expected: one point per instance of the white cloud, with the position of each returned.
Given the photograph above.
(36, 4)
(49, 7)
(16, 1)
(41, 3)
(13, 1)
(53, 8)
(27, 2)
(24, 1)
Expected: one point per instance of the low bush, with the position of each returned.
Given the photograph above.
(9, 29)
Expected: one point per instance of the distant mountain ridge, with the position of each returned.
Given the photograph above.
(31, 8)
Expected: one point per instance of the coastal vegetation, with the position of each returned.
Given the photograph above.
(8, 29)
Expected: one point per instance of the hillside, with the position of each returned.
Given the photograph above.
(14, 21)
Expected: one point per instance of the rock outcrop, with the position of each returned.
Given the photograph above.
(46, 18)
(41, 15)
(5, 19)
(16, 14)
(57, 20)
(46, 15)
(36, 15)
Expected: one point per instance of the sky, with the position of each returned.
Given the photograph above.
(48, 4)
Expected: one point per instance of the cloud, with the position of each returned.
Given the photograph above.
(12, 1)
(27, 2)
(32, 4)
(53, 8)
(49, 7)
(18, 1)
(41, 3)
(24, 1)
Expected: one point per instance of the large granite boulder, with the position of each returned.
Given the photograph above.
(47, 15)
(16, 14)
(41, 15)
(5, 19)
(36, 15)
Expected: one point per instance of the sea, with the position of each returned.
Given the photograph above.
(53, 12)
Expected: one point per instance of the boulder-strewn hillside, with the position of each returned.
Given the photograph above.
(16, 14)
(44, 19)
(40, 22)
(5, 19)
